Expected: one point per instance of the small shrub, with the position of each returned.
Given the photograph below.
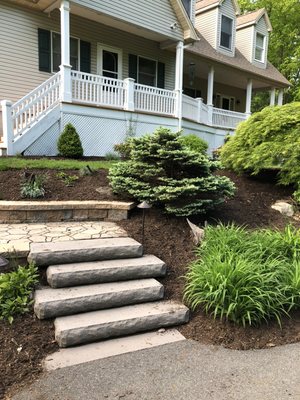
(246, 277)
(194, 143)
(164, 172)
(68, 180)
(123, 149)
(16, 291)
(33, 187)
(86, 171)
(69, 143)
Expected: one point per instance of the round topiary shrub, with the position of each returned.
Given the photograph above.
(268, 139)
(194, 143)
(69, 143)
(164, 172)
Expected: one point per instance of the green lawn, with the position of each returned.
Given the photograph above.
(46, 163)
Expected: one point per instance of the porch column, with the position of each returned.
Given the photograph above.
(65, 67)
(179, 82)
(249, 97)
(272, 96)
(210, 94)
(280, 97)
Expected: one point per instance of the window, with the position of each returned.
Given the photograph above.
(260, 47)
(147, 71)
(109, 62)
(225, 102)
(56, 52)
(187, 5)
(226, 32)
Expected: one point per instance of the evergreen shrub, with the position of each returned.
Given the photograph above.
(164, 172)
(194, 143)
(268, 139)
(69, 143)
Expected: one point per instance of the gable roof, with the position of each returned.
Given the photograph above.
(204, 50)
(188, 28)
(205, 5)
(252, 18)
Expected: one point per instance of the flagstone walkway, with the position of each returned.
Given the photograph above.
(16, 238)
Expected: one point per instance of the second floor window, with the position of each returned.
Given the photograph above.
(226, 32)
(187, 6)
(260, 47)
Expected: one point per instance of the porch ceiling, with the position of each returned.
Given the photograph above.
(40, 5)
(223, 74)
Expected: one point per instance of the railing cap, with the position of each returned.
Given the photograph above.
(6, 103)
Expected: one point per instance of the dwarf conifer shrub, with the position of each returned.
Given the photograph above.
(164, 172)
(69, 143)
(268, 139)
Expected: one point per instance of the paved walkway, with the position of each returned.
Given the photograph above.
(17, 237)
(184, 370)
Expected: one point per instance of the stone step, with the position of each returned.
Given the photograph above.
(109, 348)
(49, 303)
(65, 275)
(98, 325)
(75, 251)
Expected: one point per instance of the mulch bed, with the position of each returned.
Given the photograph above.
(168, 238)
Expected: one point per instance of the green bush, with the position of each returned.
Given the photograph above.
(69, 143)
(164, 172)
(123, 149)
(194, 143)
(268, 139)
(246, 277)
(16, 290)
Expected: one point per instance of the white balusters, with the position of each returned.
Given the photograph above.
(155, 100)
(227, 118)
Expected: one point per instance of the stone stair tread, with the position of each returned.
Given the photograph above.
(96, 325)
(54, 302)
(64, 275)
(109, 348)
(75, 251)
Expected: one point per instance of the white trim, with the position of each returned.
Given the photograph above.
(100, 48)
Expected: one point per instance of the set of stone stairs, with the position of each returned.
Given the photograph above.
(102, 289)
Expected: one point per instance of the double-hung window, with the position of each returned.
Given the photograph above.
(147, 71)
(56, 52)
(226, 32)
(260, 47)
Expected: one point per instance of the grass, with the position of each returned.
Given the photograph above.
(7, 163)
(246, 277)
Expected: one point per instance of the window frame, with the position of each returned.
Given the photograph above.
(232, 30)
(51, 49)
(138, 70)
(261, 48)
(232, 101)
(111, 49)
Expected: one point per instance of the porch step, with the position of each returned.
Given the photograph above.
(51, 303)
(65, 275)
(76, 251)
(98, 325)
(108, 348)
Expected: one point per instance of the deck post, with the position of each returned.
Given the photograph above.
(249, 97)
(8, 131)
(272, 96)
(280, 97)
(65, 67)
(210, 94)
(129, 96)
(200, 102)
(179, 82)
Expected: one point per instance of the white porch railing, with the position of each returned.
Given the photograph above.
(190, 108)
(155, 100)
(97, 90)
(227, 119)
(31, 107)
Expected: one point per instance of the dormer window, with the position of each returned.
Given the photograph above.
(260, 45)
(226, 32)
(188, 6)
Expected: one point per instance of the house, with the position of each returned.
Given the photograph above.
(127, 67)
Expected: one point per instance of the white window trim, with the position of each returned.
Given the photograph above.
(232, 31)
(100, 48)
(156, 68)
(262, 48)
(51, 43)
(223, 96)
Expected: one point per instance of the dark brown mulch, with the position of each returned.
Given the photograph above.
(82, 189)
(24, 344)
(169, 238)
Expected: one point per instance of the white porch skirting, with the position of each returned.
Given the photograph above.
(100, 129)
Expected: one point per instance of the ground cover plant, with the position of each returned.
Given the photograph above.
(15, 291)
(164, 172)
(268, 139)
(33, 186)
(247, 277)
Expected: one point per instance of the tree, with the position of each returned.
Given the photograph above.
(69, 143)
